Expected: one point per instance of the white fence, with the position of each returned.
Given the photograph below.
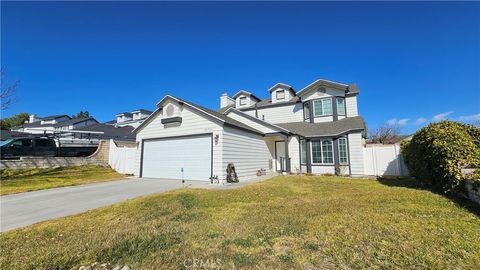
(122, 159)
(383, 160)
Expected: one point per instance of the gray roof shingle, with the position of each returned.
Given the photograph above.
(110, 131)
(334, 128)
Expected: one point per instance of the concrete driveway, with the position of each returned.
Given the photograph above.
(19, 210)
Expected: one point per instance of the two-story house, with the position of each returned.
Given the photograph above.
(133, 118)
(53, 123)
(314, 130)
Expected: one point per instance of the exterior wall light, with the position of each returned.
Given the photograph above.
(216, 139)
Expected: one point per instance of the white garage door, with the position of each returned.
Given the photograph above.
(165, 158)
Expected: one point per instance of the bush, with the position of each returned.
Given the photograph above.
(437, 153)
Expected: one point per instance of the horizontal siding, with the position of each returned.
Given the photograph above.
(250, 123)
(352, 107)
(294, 153)
(323, 119)
(247, 151)
(193, 122)
(323, 169)
(356, 153)
(319, 94)
(280, 114)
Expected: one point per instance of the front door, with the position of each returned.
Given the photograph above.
(280, 156)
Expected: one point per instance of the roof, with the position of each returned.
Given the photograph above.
(73, 121)
(284, 85)
(245, 93)
(111, 131)
(220, 116)
(51, 117)
(142, 110)
(8, 134)
(124, 113)
(111, 122)
(334, 128)
(224, 109)
(268, 102)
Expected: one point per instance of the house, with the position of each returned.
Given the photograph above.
(133, 118)
(53, 123)
(314, 130)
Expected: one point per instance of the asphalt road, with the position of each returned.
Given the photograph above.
(23, 209)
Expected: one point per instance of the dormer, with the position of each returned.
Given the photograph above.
(140, 114)
(244, 99)
(123, 117)
(281, 92)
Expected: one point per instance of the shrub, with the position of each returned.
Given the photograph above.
(437, 152)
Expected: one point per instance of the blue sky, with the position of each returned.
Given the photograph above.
(414, 62)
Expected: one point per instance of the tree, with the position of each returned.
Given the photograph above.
(386, 134)
(81, 114)
(14, 121)
(6, 92)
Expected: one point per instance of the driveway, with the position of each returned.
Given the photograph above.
(23, 209)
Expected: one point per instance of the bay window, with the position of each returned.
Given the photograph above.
(322, 107)
(303, 152)
(342, 151)
(322, 152)
(340, 106)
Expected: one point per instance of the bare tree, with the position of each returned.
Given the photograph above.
(7, 92)
(385, 134)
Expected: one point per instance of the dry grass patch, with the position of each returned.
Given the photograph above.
(285, 223)
(23, 180)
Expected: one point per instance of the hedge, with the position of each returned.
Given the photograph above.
(436, 153)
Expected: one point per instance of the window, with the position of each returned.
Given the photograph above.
(303, 151)
(340, 106)
(322, 107)
(280, 94)
(342, 151)
(243, 100)
(306, 110)
(22, 143)
(44, 143)
(322, 152)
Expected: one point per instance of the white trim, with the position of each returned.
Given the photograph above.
(319, 81)
(251, 117)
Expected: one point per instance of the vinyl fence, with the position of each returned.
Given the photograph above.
(122, 158)
(384, 160)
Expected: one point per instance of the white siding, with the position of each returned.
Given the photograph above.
(247, 151)
(323, 169)
(280, 114)
(323, 119)
(250, 123)
(351, 104)
(250, 101)
(356, 153)
(192, 123)
(288, 95)
(318, 94)
(294, 153)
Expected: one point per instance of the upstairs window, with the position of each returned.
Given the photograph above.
(243, 101)
(322, 107)
(280, 94)
(340, 106)
(306, 110)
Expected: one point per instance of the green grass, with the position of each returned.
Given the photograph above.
(289, 222)
(23, 180)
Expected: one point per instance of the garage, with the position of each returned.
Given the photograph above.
(166, 157)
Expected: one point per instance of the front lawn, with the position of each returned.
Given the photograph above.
(22, 180)
(288, 222)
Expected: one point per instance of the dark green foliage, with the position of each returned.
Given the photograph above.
(437, 152)
(81, 114)
(14, 121)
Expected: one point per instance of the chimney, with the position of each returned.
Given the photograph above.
(33, 118)
(225, 101)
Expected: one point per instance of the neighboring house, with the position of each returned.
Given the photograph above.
(314, 130)
(53, 123)
(107, 131)
(134, 118)
(8, 134)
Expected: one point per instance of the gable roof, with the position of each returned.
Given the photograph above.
(323, 83)
(281, 85)
(51, 117)
(325, 129)
(244, 92)
(262, 122)
(216, 115)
